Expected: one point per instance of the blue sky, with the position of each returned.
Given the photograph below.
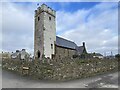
(66, 6)
(92, 22)
(71, 7)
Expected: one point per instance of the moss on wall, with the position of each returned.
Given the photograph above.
(64, 69)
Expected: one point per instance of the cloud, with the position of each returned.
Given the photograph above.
(17, 27)
(70, 19)
(0, 26)
(96, 26)
(60, 1)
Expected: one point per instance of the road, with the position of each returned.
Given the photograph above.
(11, 80)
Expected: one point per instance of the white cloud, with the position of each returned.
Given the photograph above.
(60, 0)
(0, 26)
(70, 20)
(96, 26)
(17, 27)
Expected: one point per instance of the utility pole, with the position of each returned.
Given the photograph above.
(111, 53)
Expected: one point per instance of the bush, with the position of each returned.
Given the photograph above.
(117, 56)
(75, 56)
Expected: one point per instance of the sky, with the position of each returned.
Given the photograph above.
(95, 23)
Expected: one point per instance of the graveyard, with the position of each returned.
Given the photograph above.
(60, 70)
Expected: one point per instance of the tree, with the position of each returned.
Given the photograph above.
(117, 56)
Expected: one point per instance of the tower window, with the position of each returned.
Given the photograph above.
(49, 18)
(38, 18)
(51, 46)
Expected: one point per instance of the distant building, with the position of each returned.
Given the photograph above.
(5, 55)
(20, 55)
(110, 57)
(98, 55)
(46, 43)
(16, 54)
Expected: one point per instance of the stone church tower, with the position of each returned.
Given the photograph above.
(45, 32)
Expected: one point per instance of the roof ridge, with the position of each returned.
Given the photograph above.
(66, 39)
(80, 46)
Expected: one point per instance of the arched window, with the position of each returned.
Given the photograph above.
(38, 54)
(50, 18)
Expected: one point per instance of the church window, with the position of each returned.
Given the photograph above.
(49, 18)
(38, 18)
(51, 46)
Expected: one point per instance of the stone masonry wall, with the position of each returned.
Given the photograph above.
(61, 70)
(63, 52)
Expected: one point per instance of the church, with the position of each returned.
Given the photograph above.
(46, 43)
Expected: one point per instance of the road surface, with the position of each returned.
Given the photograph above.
(11, 80)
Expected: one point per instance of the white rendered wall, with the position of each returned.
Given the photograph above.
(38, 35)
(45, 31)
(49, 35)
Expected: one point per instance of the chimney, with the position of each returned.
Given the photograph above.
(17, 50)
(23, 49)
(83, 44)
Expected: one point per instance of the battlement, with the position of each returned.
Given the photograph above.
(45, 8)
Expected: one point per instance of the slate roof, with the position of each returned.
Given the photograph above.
(17, 53)
(69, 44)
(65, 43)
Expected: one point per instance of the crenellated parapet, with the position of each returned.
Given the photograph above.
(45, 8)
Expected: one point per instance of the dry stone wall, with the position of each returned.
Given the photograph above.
(66, 69)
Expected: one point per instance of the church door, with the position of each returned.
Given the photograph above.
(38, 54)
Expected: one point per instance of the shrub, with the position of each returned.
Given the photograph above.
(75, 56)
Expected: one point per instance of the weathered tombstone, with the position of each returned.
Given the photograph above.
(25, 71)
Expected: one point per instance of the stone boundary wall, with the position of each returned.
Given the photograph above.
(61, 70)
